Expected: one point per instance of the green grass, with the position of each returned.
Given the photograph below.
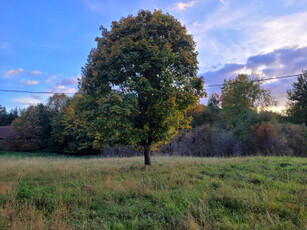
(175, 193)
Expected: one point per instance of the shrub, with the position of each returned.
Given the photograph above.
(190, 143)
(296, 138)
(257, 134)
(224, 143)
(264, 137)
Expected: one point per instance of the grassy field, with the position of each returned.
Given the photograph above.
(175, 193)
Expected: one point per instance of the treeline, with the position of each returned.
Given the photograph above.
(255, 134)
(31, 131)
(230, 125)
(62, 125)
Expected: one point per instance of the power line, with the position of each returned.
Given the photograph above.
(206, 86)
(256, 80)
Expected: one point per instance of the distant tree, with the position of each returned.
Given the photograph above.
(198, 116)
(214, 102)
(3, 115)
(56, 103)
(7, 118)
(32, 129)
(72, 126)
(206, 114)
(144, 75)
(297, 110)
(215, 107)
(241, 95)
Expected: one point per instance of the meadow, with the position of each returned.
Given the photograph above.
(39, 191)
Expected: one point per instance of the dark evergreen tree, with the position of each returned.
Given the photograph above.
(297, 110)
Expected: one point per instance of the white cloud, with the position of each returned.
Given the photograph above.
(59, 87)
(218, 35)
(35, 72)
(13, 72)
(26, 101)
(52, 78)
(25, 82)
(278, 32)
(232, 33)
(63, 89)
(183, 6)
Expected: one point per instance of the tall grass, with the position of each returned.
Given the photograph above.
(175, 193)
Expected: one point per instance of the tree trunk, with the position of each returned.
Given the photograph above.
(147, 155)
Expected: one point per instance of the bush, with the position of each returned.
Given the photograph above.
(264, 137)
(257, 134)
(190, 143)
(224, 143)
(295, 137)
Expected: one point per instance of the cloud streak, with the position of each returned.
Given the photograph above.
(63, 89)
(281, 61)
(234, 31)
(27, 101)
(183, 6)
(28, 82)
(13, 72)
(35, 73)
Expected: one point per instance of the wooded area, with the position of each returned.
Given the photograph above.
(139, 92)
(221, 128)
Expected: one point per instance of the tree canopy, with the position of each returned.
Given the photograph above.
(297, 110)
(143, 73)
(6, 118)
(240, 95)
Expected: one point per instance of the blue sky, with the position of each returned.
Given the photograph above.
(44, 44)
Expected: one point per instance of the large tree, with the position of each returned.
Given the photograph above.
(297, 110)
(143, 74)
(242, 95)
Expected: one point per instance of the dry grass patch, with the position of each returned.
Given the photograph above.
(5, 187)
(120, 185)
(16, 216)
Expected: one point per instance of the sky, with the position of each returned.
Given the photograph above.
(44, 44)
